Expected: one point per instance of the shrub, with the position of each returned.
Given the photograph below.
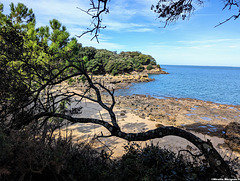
(138, 68)
(114, 72)
(149, 67)
(155, 163)
(31, 158)
(25, 156)
(71, 81)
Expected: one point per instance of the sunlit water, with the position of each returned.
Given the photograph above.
(216, 84)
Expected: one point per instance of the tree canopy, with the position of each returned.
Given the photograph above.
(32, 57)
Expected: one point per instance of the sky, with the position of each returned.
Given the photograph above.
(132, 26)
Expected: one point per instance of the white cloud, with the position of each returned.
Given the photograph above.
(142, 30)
(104, 43)
(127, 27)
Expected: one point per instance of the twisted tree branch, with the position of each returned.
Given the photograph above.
(214, 158)
(51, 99)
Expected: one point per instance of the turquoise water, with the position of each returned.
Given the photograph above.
(216, 84)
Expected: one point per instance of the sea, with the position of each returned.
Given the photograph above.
(208, 83)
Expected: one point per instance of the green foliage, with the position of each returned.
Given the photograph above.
(89, 52)
(100, 61)
(51, 45)
(44, 46)
(71, 81)
(49, 158)
(114, 72)
(81, 79)
(155, 163)
(30, 57)
(33, 156)
(149, 67)
(20, 16)
(85, 58)
(94, 66)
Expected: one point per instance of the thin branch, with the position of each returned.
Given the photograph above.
(201, 154)
(110, 93)
(232, 17)
(96, 18)
(111, 150)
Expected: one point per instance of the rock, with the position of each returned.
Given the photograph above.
(160, 113)
(142, 115)
(122, 114)
(172, 118)
(115, 81)
(151, 118)
(145, 76)
(163, 120)
(159, 125)
(158, 120)
(232, 133)
(188, 147)
(149, 109)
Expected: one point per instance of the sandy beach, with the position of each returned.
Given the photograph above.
(130, 122)
(139, 113)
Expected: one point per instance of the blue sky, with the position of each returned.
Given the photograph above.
(132, 26)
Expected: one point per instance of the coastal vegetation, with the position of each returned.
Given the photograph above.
(35, 64)
(26, 157)
(51, 44)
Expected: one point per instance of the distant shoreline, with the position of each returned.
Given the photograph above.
(227, 66)
(218, 85)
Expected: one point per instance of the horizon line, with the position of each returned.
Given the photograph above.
(202, 65)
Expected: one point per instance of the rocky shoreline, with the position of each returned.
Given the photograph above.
(125, 80)
(191, 114)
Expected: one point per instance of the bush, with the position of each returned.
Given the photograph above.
(25, 156)
(154, 163)
(31, 158)
(149, 67)
(138, 68)
(71, 81)
(114, 72)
